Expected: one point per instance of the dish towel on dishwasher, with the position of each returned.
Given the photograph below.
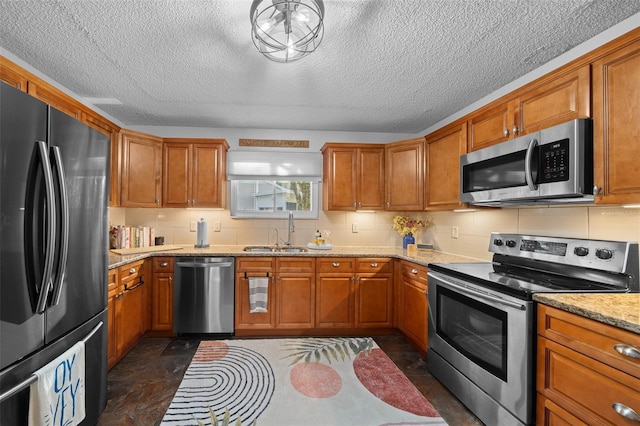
(258, 290)
(58, 396)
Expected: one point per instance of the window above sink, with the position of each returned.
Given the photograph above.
(268, 184)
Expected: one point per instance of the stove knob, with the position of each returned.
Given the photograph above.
(581, 251)
(497, 242)
(604, 254)
(511, 243)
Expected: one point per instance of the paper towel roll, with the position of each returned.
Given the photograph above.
(201, 234)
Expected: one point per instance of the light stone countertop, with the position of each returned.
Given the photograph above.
(619, 310)
(421, 258)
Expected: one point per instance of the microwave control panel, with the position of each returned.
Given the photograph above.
(554, 164)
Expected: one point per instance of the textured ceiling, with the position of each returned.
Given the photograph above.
(383, 66)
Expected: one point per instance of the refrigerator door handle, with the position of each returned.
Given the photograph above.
(34, 378)
(50, 240)
(63, 228)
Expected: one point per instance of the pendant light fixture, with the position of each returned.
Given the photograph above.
(287, 30)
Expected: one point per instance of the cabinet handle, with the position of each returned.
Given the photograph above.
(132, 270)
(119, 295)
(163, 264)
(374, 265)
(626, 412)
(170, 279)
(515, 130)
(414, 271)
(505, 132)
(139, 284)
(335, 264)
(627, 350)
(596, 190)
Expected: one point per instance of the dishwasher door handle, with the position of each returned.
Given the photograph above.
(204, 264)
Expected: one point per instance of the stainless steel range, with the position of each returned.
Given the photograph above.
(482, 315)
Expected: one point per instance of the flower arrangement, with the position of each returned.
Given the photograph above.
(406, 225)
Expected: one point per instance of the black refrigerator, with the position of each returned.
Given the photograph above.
(53, 256)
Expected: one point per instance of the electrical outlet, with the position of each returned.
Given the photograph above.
(454, 232)
(193, 226)
(216, 226)
(354, 227)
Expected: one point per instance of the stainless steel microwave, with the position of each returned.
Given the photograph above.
(554, 165)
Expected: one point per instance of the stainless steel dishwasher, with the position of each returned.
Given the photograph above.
(203, 295)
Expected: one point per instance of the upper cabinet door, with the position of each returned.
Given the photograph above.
(404, 164)
(616, 132)
(353, 176)
(560, 96)
(443, 149)
(141, 170)
(176, 176)
(208, 174)
(193, 172)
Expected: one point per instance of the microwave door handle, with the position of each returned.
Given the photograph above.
(528, 172)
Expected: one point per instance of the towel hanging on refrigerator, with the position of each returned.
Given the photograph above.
(58, 396)
(258, 291)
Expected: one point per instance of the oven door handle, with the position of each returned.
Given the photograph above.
(479, 294)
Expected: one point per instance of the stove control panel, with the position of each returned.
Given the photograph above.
(603, 255)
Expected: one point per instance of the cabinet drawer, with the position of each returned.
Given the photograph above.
(131, 271)
(583, 386)
(112, 280)
(296, 264)
(417, 274)
(336, 265)
(592, 338)
(375, 265)
(255, 264)
(162, 264)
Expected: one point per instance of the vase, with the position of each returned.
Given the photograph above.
(407, 239)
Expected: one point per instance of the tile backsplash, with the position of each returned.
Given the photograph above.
(375, 229)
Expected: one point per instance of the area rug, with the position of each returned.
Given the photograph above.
(297, 382)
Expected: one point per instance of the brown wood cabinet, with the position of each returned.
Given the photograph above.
(335, 281)
(374, 293)
(581, 377)
(162, 294)
(247, 267)
(404, 181)
(141, 183)
(443, 149)
(127, 322)
(616, 136)
(353, 176)
(555, 98)
(112, 296)
(413, 315)
(193, 172)
(295, 292)
(52, 96)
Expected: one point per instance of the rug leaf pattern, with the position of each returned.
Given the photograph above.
(315, 349)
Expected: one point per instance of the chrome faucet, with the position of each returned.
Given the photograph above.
(292, 229)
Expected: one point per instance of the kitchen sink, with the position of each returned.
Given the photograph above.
(274, 249)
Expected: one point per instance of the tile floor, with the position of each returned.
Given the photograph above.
(142, 384)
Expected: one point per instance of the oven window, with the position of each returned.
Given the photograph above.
(476, 330)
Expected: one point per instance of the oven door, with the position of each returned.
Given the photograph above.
(486, 339)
